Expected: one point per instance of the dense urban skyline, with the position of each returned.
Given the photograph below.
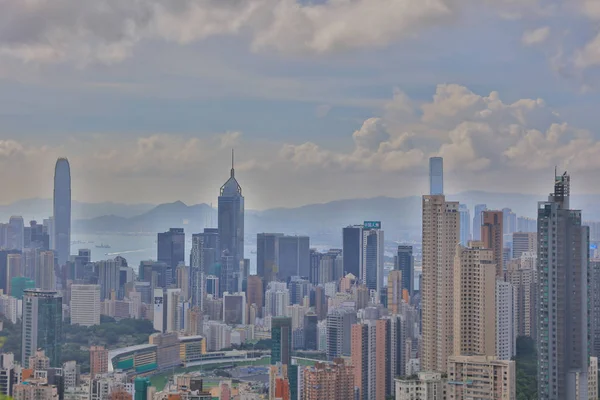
(465, 263)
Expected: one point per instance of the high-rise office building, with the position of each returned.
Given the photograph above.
(267, 248)
(85, 305)
(255, 294)
(525, 224)
(339, 329)
(352, 249)
(234, 308)
(371, 273)
(436, 176)
(277, 298)
(474, 295)
(506, 319)
(4, 270)
(231, 220)
(98, 361)
(465, 224)
(563, 324)
(293, 257)
(45, 277)
(183, 280)
(491, 236)
(311, 335)
(62, 211)
(321, 304)
(229, 279)
(281, 336)
(488, 378)
(478, 220)
(524, 242)
(440, 237)
(203, 261)
(108, 278)
(171, 249)
(405, 262)
(14, 269)
(42, 325)
(398, 353)
(331, 381)
(16, 233)
(509, 221)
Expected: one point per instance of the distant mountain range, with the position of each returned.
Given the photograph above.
(401, 217)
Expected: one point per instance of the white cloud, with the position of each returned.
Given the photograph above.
(589, 55)
(228, 140)
(474, 134)
(81, 32)
(536, 36)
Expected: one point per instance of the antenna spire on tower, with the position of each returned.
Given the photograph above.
(232, 170)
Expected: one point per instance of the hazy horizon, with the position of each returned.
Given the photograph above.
(322, 100)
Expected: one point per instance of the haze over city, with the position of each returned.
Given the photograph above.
(299, 199)
(146, 98)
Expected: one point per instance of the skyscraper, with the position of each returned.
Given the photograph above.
(436, 176)
(506, 338)
(563, 323)
(85, 305)
(370, 357)
(339, 328)
(352, 249)
(371, 273)
(108, 278)
(171, 249)
(255, 294)
(465, 224)
(440, 237)
(62, 210)
(45, 277)
(405, 262)
(231, 221)
(394, 291)
(491, 236)
(16, 233)
(509, 221)
(524, 242)
(293, 257)
(477, 220)
(474, 301)
(281, 334)
(202, 261)
(42, 325)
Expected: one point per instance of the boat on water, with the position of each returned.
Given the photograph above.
(102, 246)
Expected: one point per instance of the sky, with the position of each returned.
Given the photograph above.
(322, 100)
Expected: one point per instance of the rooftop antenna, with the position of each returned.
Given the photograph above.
(232, 171)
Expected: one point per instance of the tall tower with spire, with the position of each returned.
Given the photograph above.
(231, 231)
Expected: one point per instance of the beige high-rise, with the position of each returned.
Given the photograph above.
(474, 301)
(441, 226)
(394, 291)
(491, 236)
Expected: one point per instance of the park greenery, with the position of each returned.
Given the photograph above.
(526, 363)
(77, 339)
